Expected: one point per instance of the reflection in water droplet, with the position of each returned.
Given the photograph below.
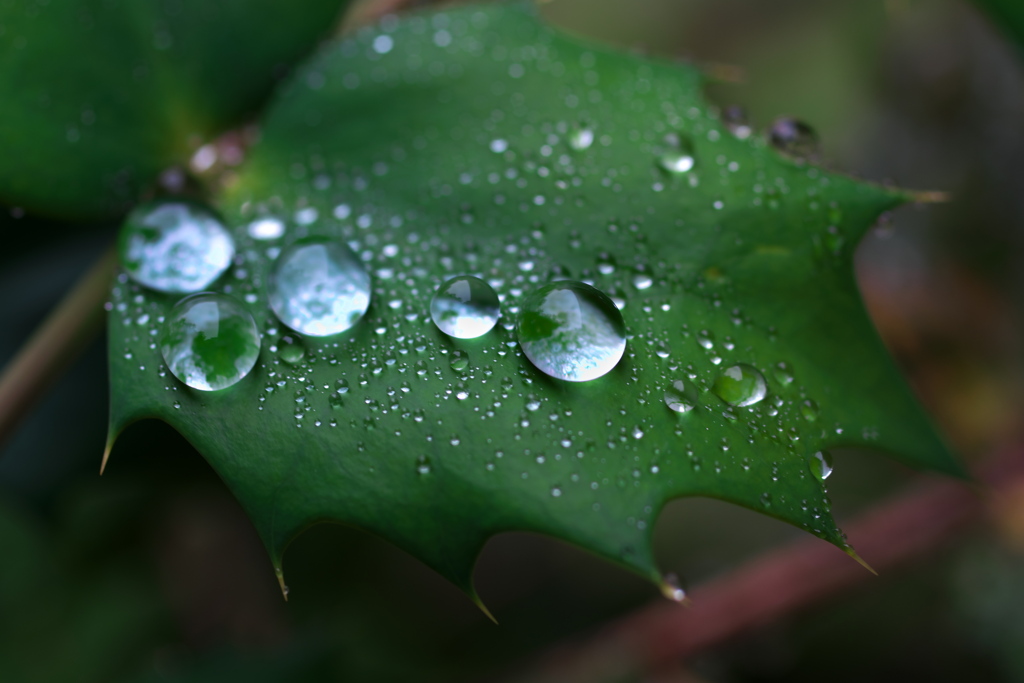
(465, 307)
(821, 464)
(740, 385)
(174, 246)
(793, 138)
(809, 409)
(571, 331)
(319, 288)
(677, 398)
(210, 341)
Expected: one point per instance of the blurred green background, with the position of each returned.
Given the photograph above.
(153, 572)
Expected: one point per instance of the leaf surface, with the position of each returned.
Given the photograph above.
(98, 97)
(453, 143)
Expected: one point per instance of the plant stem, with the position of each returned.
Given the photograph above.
(780, 582)
(64, 334)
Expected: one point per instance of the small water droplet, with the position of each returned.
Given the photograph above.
(677, 397)
(459, 361)
(319, 288)
(735, 119)
(672, 589)
(783, 374)
(793, 138)
(571, 331)
(174, 246)
(423, 465)
(678, 158)
(266, 229)
(210, 341)
(292, 353)
(809, 409)
(465, 307)
(740, 385)
(581, 138)
(821, 464)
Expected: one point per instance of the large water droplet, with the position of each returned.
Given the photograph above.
(678, 398)
(740, 385)
(210, 341)
(793, 138)
(319, 288)
(174, 246)
(465, 307)
(571, 331)
(821, 464)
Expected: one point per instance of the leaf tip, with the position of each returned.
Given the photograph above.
(106, 451)
(280, 580)
(671, 589)
(482, 607)
(860, 560)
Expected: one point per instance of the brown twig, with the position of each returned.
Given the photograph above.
(77, 319)
(780, 582)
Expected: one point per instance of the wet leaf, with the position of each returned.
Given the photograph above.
(97, 98)
(480, 141)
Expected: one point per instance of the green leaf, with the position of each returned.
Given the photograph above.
(98, 97)
(450, 143)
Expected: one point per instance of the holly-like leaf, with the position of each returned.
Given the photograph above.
(98, 97)
(480, 141)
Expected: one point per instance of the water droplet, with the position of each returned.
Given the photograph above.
(292, 353)
(821, 464)
(671, 588)
(556, 492)
(459, 361)
(210, 341)
(793, 138)
(174, 246)
(423, 465)
(735, 119)
(465, 307)
(678, 398)
(571, 331)
(740, 385)
(809, 409)
(783, 374)
(319, 288)
(581, 139)
(678, 158)
(266, 229)
(642, 281)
